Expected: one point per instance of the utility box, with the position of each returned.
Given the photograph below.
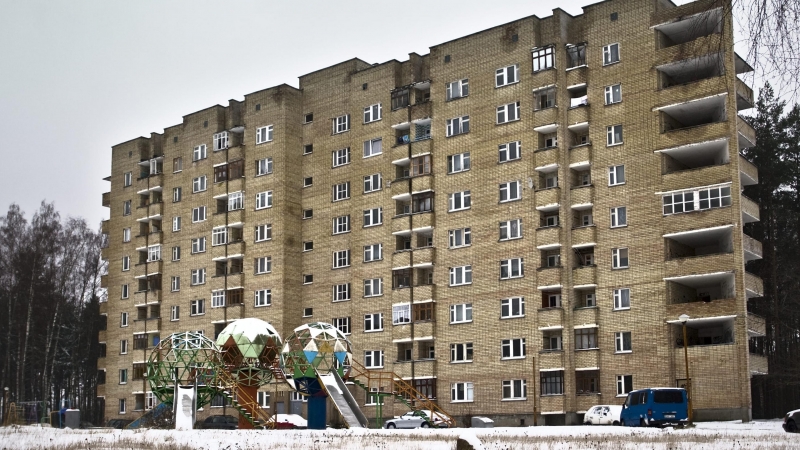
(72, 418)
(482, 422)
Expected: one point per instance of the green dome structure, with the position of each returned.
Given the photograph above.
(319, 347)
(188, 357)
(249, 349)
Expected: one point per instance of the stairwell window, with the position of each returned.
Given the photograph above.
(373, 359)
(460, 276)
(461, 313)
(264, 200)
(373, 322)
(610, 54)
(177, 165)
(199, 184)
(622, 298)
(123, 378)
(508, 113)
(341, 124)
(199, 152)
(126, 208)
(543, 58)
(514, 390)
(613, 135)
(461, 353)
(510, 191)
(176, 253)
(619, 258)
(373, 147)
(372, 113)
(263, 265)
(176, 194)
(264, 134)
(506, 75)
(457, 89)
(125, 291)
(458, 163)
(622, 342)
(175, 313)
(613, 94)
(616, 175)
(341, 157)
(462, 392)
(513, 348)
(263, 167)
(619, 217)
(127, 179)
(126, 263)
(198, 276)
(342, 323)
(126, 235)
(460, 201)
(458, 125)
(175, 284)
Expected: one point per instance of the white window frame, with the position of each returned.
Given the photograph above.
(176, 253)
(622, 299)
(126, 208)
(373, 217)
(514, 268)
(154, 253)
(343, 324)
(515, 348)
(340, 157)
(263, 264)
(374, 286)
(127, 179)
(620, 341)
(546, 53)
(263, 166)
(691, 200)
(263, 232)
(174, 313)
(613, 94)
(608, 54)
(373, 322)
(263, 399)
(262, 297)
(123, 378)
(177, 194)
(461, 275)
(510, 151)
(341, 191)
(341, 124)
(217, 299)
(461, 313)
(614, 135)
(197, 307)
(457, 89)
(126, 263)
(341, 224)
(123, 320)
(460, 201)
(263, 200)
(198, 245)
(373, 183)
(512, 308)
(264, 134)
(373, 252)
(619, 216)
(457, 125)
(199, 214)
(373, 359)
(511, 190)
(125, 291)
(235, 201)
(199, 184)
(372, 113)
(341, 258)
(462, 352)
(514, 390)
(220, 141)
(465, 389)
(624, 385)
(618, 261)
(512, 229)
(373, 147)
(175, 284)
(126, 235)
(508, 113)
(199, 153)
(198, 276)
(460, 237)
(401, 314)
(616, 175)
(342, 292)
(503, 76)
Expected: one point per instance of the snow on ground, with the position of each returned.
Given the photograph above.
(708, 435)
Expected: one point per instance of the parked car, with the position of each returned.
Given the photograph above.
(603, 415)
(290, 422)
(118, 423)
(420, 418)
(790, 421)
(655, 407)
(220, 423)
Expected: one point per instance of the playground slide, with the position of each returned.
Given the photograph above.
(343, 400)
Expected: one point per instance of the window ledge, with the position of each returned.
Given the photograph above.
(575, 67)
(622, 309)
(462, 401)
(616, 143)
(511, 358)
(623, 352)
(514, 399)
(587, 349)
(512, 317)
(461, 362)
(560, 350)
(552, 395)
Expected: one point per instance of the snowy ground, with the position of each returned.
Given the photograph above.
(714, 435)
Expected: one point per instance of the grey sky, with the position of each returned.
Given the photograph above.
(77, 77)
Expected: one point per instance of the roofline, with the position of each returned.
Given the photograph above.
(334, 65)
(129, 141)
(272, 87)
(488, 29)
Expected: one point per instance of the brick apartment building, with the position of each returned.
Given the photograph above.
(514, 221)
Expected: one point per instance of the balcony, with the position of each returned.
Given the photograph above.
(547, 197)
(758, 364)
(550, 359)
(584, 235)
(587, 358)
(582, 195)
(746, 133)
(748, 172)
(577, 75)
(744, 96)
(151, 182)
(548, 235)
(692, 70)
(703, 287)
(153, 211)
(144, 270)
(147, 297)
(233, 153)
(550, 317)
(756, 325)
(223, 188)
(234, 249)
(217, 282)
(694, 156)
(693, 113)
(105, 227)
(699, 242)
(703, 331)
(421, 292)
(750, 210)
(233, 217)
(422, 368)
(424, 256)
(754, 286)
(752, 248)
(107, 199)
(146, 325)
(404, 222)
(545, 117)
(584, 275)
(550, 276)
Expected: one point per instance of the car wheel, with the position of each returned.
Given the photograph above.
(391, 426)
(616, 423)
(641, 423)
(425, 425)
(791, 427)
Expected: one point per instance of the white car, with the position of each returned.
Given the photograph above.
(415, 419)
(603, 415)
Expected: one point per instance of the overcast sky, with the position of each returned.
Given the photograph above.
(77, 77)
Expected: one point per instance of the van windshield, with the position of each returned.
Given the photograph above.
(668, 396)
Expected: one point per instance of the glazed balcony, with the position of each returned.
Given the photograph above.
(748, 172)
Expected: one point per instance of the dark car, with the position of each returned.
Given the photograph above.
(118, 423)
(790, 421)
(220, 423)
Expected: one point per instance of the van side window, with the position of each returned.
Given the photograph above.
(668, 397)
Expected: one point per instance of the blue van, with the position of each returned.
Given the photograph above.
(655, 407)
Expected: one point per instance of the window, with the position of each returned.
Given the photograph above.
(587, 382)
(126, 235)
(613, 135)
(372, 183)
(122, 406)
(706, 198)
(197, 307)
(508, 113)
(401, 314)
(308, 149)
(373, 217)
(616, 175)
(506, 75)
(610, 54)
(341, 292)
(585, 338)
(263, 166)
(512, 307)
(619, 217)
(373, 252)
(373, 287)
(613, 94)
(619, 258)
(552, 341)
(510, 191)
(551, 300)
(308, 246)
(511, 268)
(263, 399)
(341, 258)
(511, 229)
(460, 201)
(263, 265)
(176, 194)
(341, 224)
(198, 214)
(125, 291)
(126, 208)
(199, 184)
(127, 179)
(264, 200)
(552, 382)
(458, 163)
(176, 253)
(221, 141)
(341, 124)
(510, 151)
(342, 323)
(513, 348)
(308, 181)
(461, 237)
(308, 214)
(544, 98)
(341, 157)
(126, 263)
(372, 113)
(198, 245)
(217, 299)
(400, 98)
(373, 322)
(622, 298)
(341, 191)
(177, 164)
(576, 55)
(373, 359)
(624, 385)
(308, 278)
(461, 313)
(123, 319)
(123, 378)
(175, 313)
(263, 232)
(460, 275)
(457, 89)
(461, 352)
(175, 284)
(198, 276)
(263, 297)
(421, 165)
(219, 236)
(543, 58)
(373, 147)
(199, 153)
(515, 390)
(622, 341)
(458, 125)
(462, 392)
(308, 118)
(263, 134)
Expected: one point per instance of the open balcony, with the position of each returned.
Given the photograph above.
(753, 285)
(702, 242)
(756, 325)
(686, 23)
(107, 199)
(694, 113)
(706, 287)
(752, 248)
(745, 132)
(744, 96)
(704, 331)
(694, 156)
(750, 210)
(759, 364)
(748, 172)
(690, 70)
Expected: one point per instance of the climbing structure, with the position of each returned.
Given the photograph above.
(186, 358)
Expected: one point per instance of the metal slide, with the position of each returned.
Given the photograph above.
(343, 400)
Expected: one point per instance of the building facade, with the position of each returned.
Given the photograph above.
(515, 222)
